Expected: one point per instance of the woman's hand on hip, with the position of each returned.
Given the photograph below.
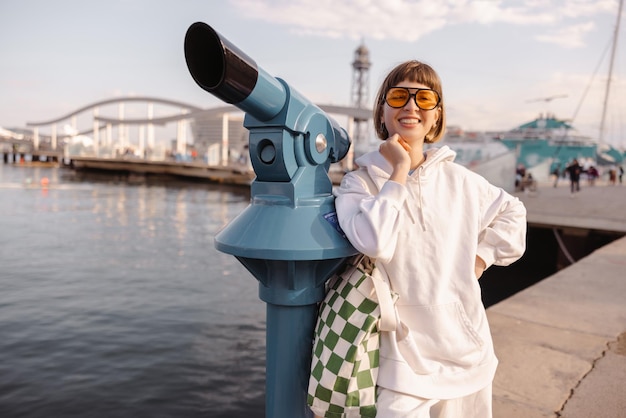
(479, 267)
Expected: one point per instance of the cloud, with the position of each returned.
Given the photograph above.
(585, 8)
(410, 20)
(490, 11)
(353, 19)
(568, 37)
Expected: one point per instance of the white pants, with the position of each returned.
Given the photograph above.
(392, 404)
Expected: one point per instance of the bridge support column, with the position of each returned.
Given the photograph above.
(36, 138)
(109, 135)
(96, 132)
(54, 136)
(181, 137)
(121, 133)
(151, 127)
(224, 139)
(142, 141)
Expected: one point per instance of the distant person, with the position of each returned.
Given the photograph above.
(520, 174)
(592, 175)
(621, 174)
(612, 176)
(574, 170)
(556, 173)
(530, 183)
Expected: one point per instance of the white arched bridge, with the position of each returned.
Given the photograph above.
(101, 125)
(154, 129)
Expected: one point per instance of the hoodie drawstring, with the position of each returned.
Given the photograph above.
(421, 198)
(420, 202)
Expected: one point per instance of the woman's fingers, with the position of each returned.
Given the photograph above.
(404, 144)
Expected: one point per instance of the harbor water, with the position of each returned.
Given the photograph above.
(115, 303)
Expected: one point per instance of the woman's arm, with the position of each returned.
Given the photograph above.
(370, 220)
(503, 231)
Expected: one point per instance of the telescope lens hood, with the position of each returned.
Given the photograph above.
(217, 65)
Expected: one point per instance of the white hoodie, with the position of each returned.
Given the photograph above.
(425, 236)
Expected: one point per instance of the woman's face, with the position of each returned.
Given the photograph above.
(409, 121)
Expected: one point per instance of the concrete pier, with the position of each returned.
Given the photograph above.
(562, 342)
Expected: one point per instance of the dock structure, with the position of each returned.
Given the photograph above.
(233, 174)
(562, 341)
(17, 151)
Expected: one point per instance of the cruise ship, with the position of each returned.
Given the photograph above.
(547, 142)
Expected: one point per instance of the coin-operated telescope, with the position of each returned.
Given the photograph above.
(288, 237)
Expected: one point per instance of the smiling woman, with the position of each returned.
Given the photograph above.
(433, 227)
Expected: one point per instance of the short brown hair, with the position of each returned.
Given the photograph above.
(417, 72)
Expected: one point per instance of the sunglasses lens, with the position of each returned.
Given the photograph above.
(397, 97)
(427, 99)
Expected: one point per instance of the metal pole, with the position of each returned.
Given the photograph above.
(288, 359)
(608, 81)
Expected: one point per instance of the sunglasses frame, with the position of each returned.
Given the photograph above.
(414, 95)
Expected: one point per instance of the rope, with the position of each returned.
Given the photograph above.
(559, 240)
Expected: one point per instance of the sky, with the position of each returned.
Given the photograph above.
(502, 62)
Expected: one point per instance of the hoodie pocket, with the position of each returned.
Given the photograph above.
(437, 337)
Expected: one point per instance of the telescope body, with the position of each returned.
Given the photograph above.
(292, 143)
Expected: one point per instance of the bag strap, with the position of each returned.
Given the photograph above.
(388, 316)
(386, 300)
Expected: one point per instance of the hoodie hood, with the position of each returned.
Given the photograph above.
(380, 170)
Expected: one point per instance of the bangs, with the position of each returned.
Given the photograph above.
(415, 72)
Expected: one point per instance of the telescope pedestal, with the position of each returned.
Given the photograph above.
(292, 290)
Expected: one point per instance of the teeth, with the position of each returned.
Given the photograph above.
(409, 121)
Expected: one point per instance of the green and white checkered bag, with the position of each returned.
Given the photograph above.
(359, 304)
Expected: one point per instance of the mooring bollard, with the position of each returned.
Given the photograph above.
(288, 237)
